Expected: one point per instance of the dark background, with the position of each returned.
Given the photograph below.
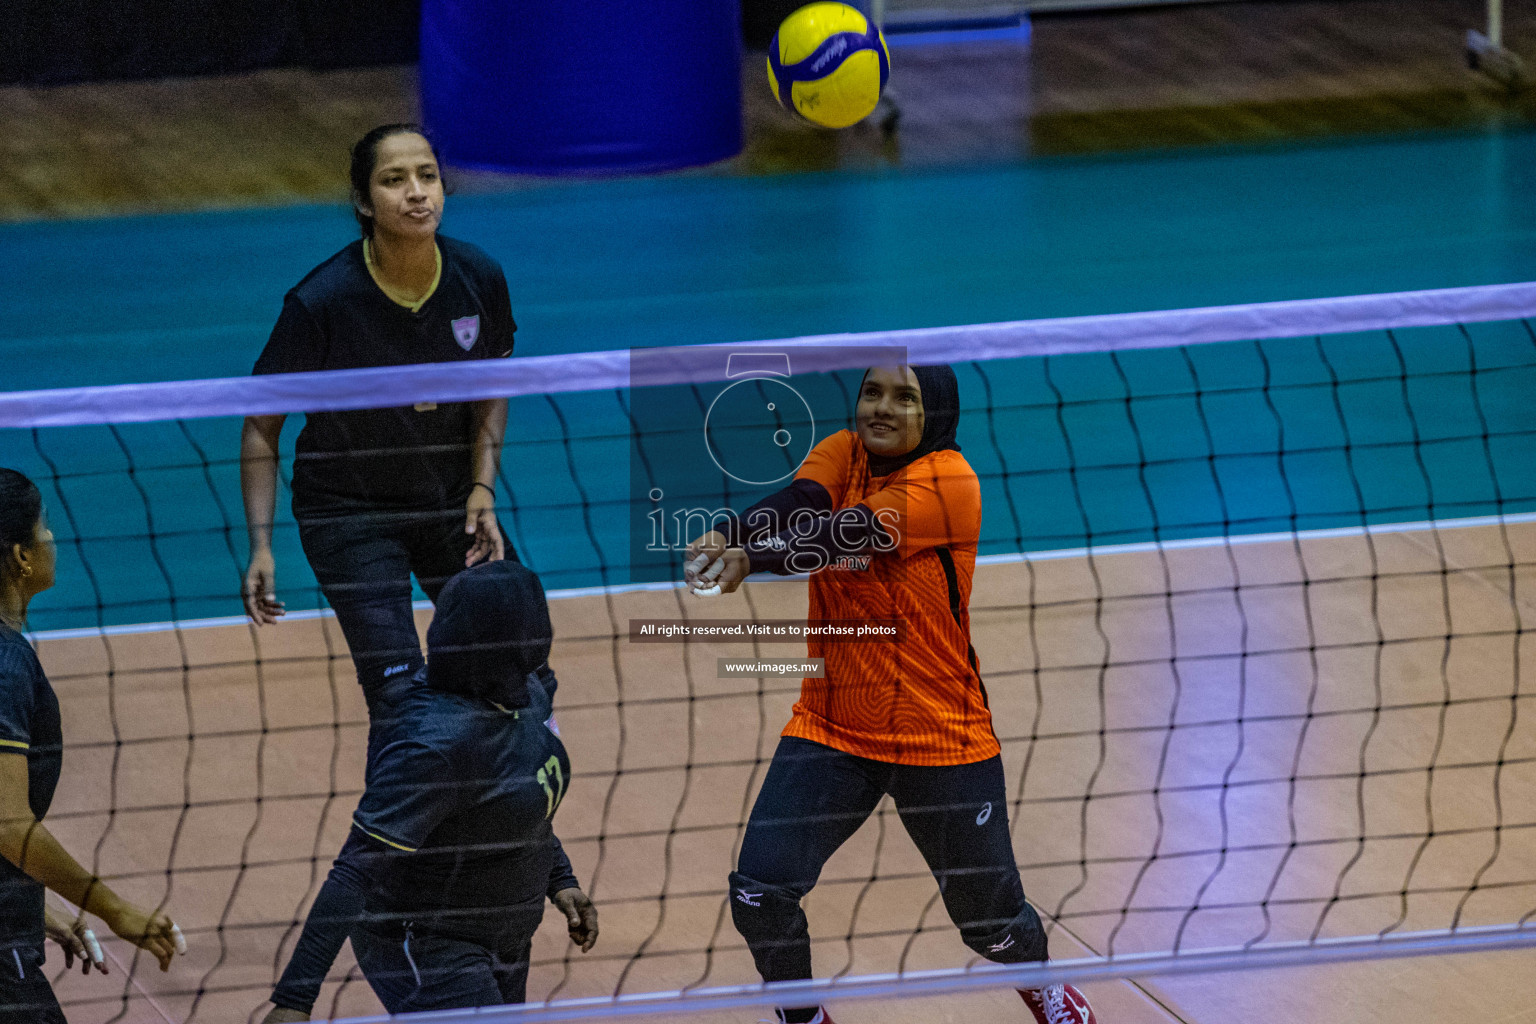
(54, 42)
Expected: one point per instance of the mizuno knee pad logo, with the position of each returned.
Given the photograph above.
(749, 898)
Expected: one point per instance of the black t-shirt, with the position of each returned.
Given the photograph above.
(29, 726)
(459, 801)
(405, 458)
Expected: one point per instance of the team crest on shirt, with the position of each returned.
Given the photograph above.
(466, 330)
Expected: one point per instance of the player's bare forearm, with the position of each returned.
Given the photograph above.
(258, 476)
(258, 490)
(29, 845)
(490, 425)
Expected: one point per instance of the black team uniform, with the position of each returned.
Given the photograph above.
(29, 727)
(460, 854)
(379, 495)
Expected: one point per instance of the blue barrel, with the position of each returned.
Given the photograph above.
(555, 87)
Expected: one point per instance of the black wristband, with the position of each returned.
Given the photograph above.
(488, 487)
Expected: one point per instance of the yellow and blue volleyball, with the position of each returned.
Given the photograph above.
(828, 63)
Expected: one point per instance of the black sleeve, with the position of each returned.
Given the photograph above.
(498, 340)
(410, 790)
(774, 514)
(18, 686)
(561, 877)
(338, 905)
(297, 344)
(811, 544)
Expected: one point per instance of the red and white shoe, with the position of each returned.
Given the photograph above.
(1058, 1004)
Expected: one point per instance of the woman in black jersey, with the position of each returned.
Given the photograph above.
(31, 758)
(380, 494)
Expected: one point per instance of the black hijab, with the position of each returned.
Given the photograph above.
(941, 417)
(490, 630)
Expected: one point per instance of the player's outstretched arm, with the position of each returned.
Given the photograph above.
(27, 843)
(258, 489)
(720, 557)
(713, 567)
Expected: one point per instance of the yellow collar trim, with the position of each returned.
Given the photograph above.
(414, 305)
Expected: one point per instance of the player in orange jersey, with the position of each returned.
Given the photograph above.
(886, 519)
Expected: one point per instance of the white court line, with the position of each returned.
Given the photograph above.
(1099, 551)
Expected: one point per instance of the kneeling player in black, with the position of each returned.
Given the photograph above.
(461, 792)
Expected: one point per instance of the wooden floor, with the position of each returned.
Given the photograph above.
(1179, 75)
(1302, 739)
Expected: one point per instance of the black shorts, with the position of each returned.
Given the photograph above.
(25, 995)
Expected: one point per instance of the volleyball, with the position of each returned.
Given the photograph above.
(828, 63)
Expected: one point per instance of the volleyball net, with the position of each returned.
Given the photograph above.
(1251, 607)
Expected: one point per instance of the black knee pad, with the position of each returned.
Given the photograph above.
(763, 913)
(1020, 941)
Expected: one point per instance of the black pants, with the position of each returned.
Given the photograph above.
(364, 564)
(25, 995)
(411, 970)
(814, 798)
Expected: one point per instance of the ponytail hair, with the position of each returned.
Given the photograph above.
(21, 508)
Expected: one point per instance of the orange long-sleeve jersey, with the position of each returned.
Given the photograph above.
(919, 700)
